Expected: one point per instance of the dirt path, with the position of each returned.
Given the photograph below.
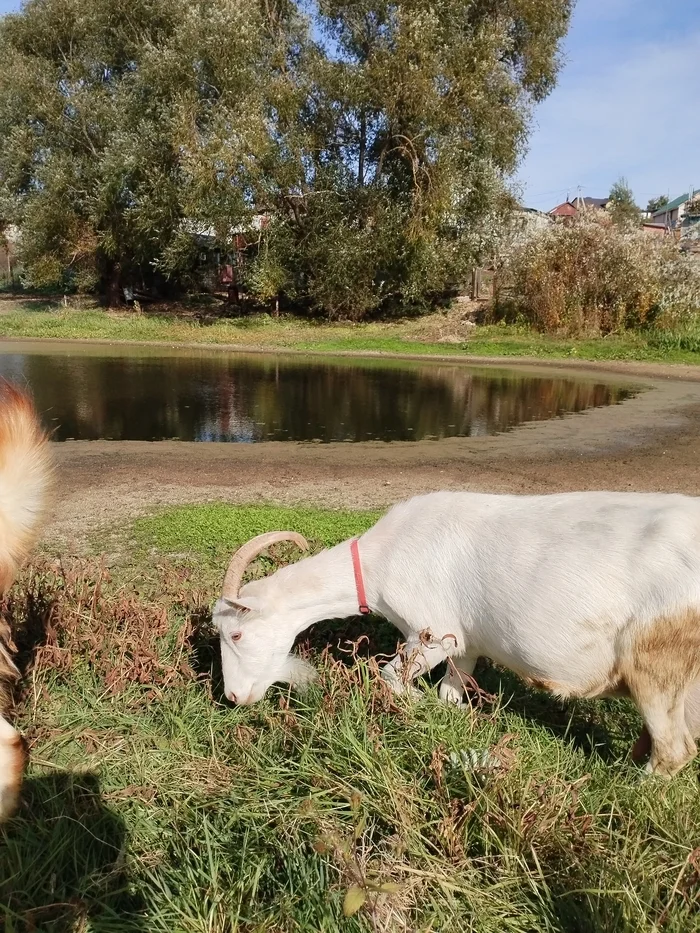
(650, 442)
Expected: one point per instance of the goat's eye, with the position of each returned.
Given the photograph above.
(236, 636)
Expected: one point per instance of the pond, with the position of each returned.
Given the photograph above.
(143, 393)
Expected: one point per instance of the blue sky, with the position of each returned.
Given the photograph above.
(625, 104)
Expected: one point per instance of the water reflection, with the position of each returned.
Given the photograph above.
(200, 396)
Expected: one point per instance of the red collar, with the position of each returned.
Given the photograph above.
(359, 582)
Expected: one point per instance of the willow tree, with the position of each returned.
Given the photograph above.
(375, 136)
(419, 111)
(120, 122)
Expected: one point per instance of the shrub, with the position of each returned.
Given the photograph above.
(590, 276)
(693, 207)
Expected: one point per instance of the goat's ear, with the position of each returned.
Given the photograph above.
(240, 606)
(244, 604)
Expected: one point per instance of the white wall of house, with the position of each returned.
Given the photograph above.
(670, 218)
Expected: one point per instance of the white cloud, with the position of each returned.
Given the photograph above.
(632, 113)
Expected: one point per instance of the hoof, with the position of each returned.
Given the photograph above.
(451, 695)
(390, 677)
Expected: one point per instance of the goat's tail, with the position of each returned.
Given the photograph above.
(25, 479)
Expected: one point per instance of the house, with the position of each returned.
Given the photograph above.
(526, 222)
(675, 213)
(600, 203)
(572, 208)
(689, 240)
(220, 265)
(566, 209)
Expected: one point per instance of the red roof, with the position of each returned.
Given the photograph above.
(564, 210)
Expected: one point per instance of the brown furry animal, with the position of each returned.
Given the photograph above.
(25, 476)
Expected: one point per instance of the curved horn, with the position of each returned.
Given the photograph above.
(248, 552)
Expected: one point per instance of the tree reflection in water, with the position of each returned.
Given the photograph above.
(205, 396)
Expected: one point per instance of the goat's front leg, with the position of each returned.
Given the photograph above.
(417, 658)
(456, 680)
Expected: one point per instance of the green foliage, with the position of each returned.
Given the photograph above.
(207, 528)
(692, 208)
(655, 204)
(622, 207)
(593, 276)
(121, 120)
(378, 154)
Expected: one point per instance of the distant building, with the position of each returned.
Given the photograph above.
(654, 229)
(566, 209)
(600, 203)
(675, 213)
(525, 222)
(572, 208)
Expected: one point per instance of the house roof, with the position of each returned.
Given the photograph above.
(672, 205)
(564, 210)
(533, 210)
(569, 208)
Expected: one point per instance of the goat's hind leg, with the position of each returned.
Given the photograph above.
(672, 745)
(662, 669)
(12, 749)
(642, 747)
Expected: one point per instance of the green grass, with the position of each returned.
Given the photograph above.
(207, 529)
(436, 334)
(152, 805)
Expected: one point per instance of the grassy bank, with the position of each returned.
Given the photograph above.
(152, 805)
(439, 333)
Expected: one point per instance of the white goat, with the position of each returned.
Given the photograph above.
(583, 594)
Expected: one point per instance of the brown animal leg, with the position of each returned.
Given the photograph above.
(663, 710)
(642, 747)
(661, 668)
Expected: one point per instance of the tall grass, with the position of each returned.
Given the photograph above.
(590, 276)
(437, 334)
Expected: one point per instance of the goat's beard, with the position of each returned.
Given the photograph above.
(298, 672)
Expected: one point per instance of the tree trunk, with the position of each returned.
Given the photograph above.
(363, 150)
(114, 291)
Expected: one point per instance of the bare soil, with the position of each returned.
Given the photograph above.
(648, 443)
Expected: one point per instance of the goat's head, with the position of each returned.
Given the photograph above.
(255, 634)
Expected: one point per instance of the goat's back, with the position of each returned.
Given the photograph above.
(539, 560)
